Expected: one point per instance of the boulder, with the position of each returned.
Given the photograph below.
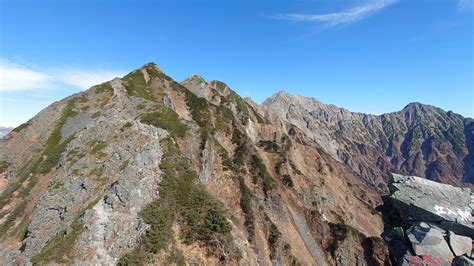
(424, 200)
(429, 241)
(462, 261)
(461, 245)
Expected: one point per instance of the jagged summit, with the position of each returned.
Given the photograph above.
(194, 78)
(151, 64)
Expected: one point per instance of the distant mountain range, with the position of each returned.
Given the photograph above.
(143, 169)
(4, 131)
(420, 140)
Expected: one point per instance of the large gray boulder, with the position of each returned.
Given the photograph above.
(424, 200)
(427, 240)
(461, 245)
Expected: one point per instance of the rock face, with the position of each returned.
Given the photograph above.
(428, 221)
(419, 140)
(425, 200)
(142, 169)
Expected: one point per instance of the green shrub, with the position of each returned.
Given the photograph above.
(137, 86)
(183, 201)
(262, 173)
(224, 118)
(246, 205)
(269, 146)
(273, 235)
(239, 139)
(160, 220)
(99, 146)
(176, 258)
(199, 109)
(287, 181)
(296, 170)
(3, 166)
(167, 119)
(22, 126)
(96, 114)
(104, 88)
(9, 221)
(124, 164)
(133, 258)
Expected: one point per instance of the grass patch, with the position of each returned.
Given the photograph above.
(21, 230)
(98, 147)
(96, 114)
(8, 223)
(224, 118)
(123, 165)
(104, 88)
(3, 166)
(21, 127)
(137, 86)
(167, 119)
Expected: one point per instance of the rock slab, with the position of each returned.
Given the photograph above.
(425, 200)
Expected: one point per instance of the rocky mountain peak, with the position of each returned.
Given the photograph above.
(195, 78)
(416, 140)
(151, 65)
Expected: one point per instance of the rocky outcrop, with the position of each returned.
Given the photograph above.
(428, 222)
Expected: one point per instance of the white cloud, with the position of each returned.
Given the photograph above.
(16, 77)
(13, 100)
(85, 79)
(343, 17)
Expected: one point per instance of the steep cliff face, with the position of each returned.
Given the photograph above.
(144, 169)
(420, 140)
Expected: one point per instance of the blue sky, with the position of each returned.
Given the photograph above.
(370, 56)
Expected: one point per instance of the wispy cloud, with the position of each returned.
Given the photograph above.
(466, 5)
(85, 79)
(13, 100)
(14, 77)
(17, 77)
(346, 16)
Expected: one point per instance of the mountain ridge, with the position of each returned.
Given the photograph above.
(145, 168)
